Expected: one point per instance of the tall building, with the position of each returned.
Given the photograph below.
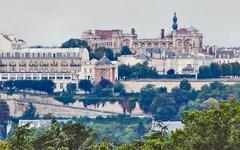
(180, 40)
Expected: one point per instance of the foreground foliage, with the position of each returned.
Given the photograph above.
(214, 129)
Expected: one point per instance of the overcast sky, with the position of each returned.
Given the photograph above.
(51, 22)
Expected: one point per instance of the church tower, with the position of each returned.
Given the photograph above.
(175, 25)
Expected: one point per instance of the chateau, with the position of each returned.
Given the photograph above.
(181, 40)
(181, 50)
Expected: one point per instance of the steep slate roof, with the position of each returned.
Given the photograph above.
(104, 61)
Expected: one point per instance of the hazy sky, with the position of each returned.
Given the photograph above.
(51, 22)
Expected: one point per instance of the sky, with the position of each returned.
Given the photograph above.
(51, 22)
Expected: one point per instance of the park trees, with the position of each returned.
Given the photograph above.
(4, 112)
(147, 95)
(216, 128)
(126, 51)
(85, 85)
(163, 107)
(170, 72)
(35, 85)
(185, 85)
(30, 113)
(4, 117)
(21, 139)
(71, 88)
(119, 88)
(103, 88)
(138, 71)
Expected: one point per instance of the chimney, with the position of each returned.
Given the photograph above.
(162, 34)
(133, 32)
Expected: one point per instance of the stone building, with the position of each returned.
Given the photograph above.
(180, 40)
(62, 65)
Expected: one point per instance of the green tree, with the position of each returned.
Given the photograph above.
(65, 98)
(30, 113)
(53, 138)
(214, 129)
(170, 72)
(104, 83)
(101, 51)
(104, 145)
(185, 85)
(141, 130)
(4, 112)
(204, 72)
(226, 69)
(161, 90)
(85, 85)
(124, 71)
(215, 70)
(126, 51)
(21, 139)
(3, 145)
(164, 108)
(75, 43)
(71, 88)
(119, 88)
(77, 134)
(147, 94)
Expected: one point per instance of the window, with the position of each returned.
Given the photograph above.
(67, 78)
(52, 78)
(61, 85)
(4, 78)
(28, 78)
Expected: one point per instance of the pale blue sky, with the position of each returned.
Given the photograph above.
(51, 22)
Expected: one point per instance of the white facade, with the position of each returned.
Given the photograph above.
(130, 60)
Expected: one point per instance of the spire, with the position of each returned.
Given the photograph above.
(175, 25)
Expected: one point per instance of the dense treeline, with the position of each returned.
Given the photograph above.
(165, 105)
(35, 85)
(215, 129)
(138, 71)
(118, 129)
(219, 70)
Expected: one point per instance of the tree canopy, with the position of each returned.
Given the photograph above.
(126, 51)
(85, 85)
(138, 71)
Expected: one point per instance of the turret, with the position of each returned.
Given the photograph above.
(175, 25)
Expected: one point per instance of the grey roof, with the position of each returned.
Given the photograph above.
(104, 61)
(168, 52)
(142, 56)
(159, 50)
(188, 69)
